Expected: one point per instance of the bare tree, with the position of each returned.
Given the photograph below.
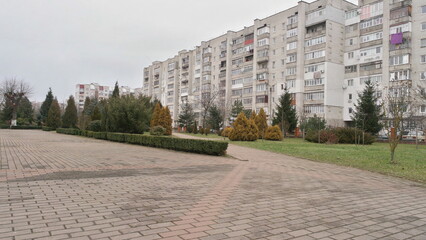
(400, 106)
(208, 99)
(12, 92)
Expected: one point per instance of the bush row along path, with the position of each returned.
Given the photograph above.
(57, 186)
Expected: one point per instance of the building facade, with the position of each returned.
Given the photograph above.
(321, 52)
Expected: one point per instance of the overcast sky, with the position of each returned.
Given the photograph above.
(60, 43)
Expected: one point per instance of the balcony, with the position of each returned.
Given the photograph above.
(261, 59)
(400, 4)
(156, 83)
(315, 34)
(222, 75)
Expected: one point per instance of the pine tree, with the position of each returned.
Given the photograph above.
(367, 112)
(96, 114)
(261, 123)
(25, 111)
(156, 115)
(116, 92)
(186, 116)
(54, 115)
(166, 120)
(69, 119)
(45, 106)
(285, 117)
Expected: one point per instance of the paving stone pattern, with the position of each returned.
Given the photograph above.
(67, 187)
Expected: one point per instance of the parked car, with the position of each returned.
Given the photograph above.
(412, 135)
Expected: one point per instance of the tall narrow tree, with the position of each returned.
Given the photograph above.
(285, 117)
(237, 108)
(186, 116)
(215, 118)
(69, 119)
(156, 115)
(261, 123)
(116, 91)
(368, 112)
(45, 106)
(54, 115)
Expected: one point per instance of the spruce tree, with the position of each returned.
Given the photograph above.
(45, 106)
(285, 116)
(54, 115)
(253, 115)
(186, 116)
(367, 112)
(25, 111)
(69, 119)
(116, 92)
(261, 123)
(215, 118)
(156, 115)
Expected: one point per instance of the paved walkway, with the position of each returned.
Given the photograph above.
(59, 187)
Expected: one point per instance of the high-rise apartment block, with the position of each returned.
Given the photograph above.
(98, 92)
(321, 52)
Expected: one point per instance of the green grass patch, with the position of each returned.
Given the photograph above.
(205, 136)
(375, 158)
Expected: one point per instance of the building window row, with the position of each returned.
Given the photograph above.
(314, 82)
(314, 96)
(314, 55)
(314, 108)
(315, 41)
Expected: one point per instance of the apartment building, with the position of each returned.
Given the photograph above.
(386, 44)
(321, 52)
(96, 91)
(92, 90)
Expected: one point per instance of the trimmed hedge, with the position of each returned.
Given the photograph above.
(20, 127)
(47, 129)
(217, 148)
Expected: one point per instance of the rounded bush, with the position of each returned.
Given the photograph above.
(226, 132)
(157, 131)
(273, 133)
(95, 126)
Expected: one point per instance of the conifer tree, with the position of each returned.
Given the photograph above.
(166, 120)
(285, 117)
(116, 91)
(156, 115)
(54, 115)
(45, 106)
(368, 113)
(244, 129)
(69, 119)
(186, 116)
(237, 108)
(261, 123)
(253, 115)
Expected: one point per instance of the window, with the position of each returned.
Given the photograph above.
(263, 42)
(351, 55)
(370, 51)
(400, 12)
(261, 87)
(423, 42)
(291, 71)
(314, 108)
(400, 75)
(170, 86)
(423, 76)
(350, 110)
(291, 83)
(315, 41)
(247, 90)
(351, 69)
(238, 41)
(371, 37)
(262, 76)
(314, 68)
(314, 55)
(315, 14)
(237, 92)
(237, 81)
(247, 100)
(291, 58)
(292, 33)
(371, 66)
(371, 23)
(291, 46)
(237, 61)
(351, 42)
(401, 28)
(314, 82)
(314, 96)
(350, 82)
(262, 30)
(424, 26)
(372, 10)
(423, 58)
(292, 19)
(350, 96)
(351, 28)
(424, 9)
(262, 53)
(372, 79)
(351, 14)
(399, 60)
(261, 99)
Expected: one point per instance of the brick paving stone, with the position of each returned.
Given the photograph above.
(60, 187)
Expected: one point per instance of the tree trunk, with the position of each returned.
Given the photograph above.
(392, 156)
(14, 116)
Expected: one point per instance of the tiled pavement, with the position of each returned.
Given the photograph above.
(60, 187)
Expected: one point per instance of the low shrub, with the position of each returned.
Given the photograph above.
(179, 144)
(22, 127)
(340, 135)
(207, 131)
(95, 126)
(201, 131)
(157, 131)
(226, 132)
(48, 129)
(273, 133)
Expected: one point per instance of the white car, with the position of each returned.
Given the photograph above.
(412, 135)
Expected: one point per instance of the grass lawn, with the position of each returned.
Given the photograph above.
(375, 158)
(206, 136)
